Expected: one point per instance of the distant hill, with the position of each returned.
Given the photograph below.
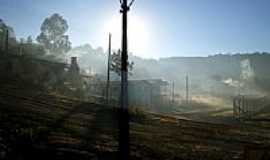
(247, 72)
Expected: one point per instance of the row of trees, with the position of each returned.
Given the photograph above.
(51, 41)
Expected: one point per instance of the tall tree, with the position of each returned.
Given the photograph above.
(116, 63)
(53, 37)
(29, 40)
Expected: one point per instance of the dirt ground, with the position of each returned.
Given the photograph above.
(39, 125)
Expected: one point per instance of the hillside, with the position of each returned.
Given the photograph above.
(39, 125)
(207, 75)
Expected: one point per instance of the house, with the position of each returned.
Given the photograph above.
(142, 92)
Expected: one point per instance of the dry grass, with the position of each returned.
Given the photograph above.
(51, 127)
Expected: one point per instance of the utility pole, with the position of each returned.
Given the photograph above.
(124, 148)
(21, 49)
(2, 35)
(173, 92)
(6, 41)
(239, 89)
(108, 70)
(187, 90)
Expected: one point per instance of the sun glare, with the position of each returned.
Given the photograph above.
(138, 35)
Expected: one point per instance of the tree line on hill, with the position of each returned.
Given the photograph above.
(227, 72)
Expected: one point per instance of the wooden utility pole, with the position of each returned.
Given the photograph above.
(173, 92)
(124, 148)
(2, 36)
(108, 70)
(187, 90)
(239, 88)
(6, 41)
(21, 49)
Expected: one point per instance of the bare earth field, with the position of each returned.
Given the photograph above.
(39, 125)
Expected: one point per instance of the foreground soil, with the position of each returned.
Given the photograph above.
(40, 125)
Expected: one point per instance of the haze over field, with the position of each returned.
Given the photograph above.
(207, 74)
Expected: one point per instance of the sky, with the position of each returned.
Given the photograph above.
(158, 28)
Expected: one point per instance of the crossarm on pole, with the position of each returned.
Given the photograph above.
(131, 3)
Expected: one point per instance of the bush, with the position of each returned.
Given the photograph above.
(137, 114)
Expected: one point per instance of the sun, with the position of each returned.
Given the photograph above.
(138, 35)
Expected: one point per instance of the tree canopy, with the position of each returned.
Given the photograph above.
(116, 63)
(53, 37)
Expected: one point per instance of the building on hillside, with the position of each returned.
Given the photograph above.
(148, 92)
(140, 92)
(29, 69)
(74, 79)
(74, 67)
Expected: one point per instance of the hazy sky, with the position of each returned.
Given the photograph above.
(168, 27)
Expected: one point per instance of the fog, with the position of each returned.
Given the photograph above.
(219, 75)
(59, 101)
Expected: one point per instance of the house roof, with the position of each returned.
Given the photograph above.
(158, 82)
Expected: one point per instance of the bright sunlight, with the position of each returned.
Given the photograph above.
(137, 31)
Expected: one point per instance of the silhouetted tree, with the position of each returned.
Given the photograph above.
(22, 41)
(116, 63)
(53, 37)
(29, 40)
